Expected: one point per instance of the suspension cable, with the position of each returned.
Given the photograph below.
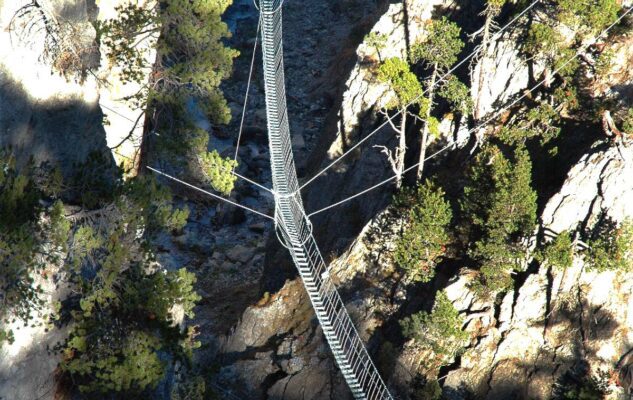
(248, 87)
(488, 120)
(209, 193)
(440, 80)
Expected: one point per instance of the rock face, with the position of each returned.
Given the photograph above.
(41, 113)
(27, 366)
(363, 95)
(56, 118)
(601, 181)
(557, 320)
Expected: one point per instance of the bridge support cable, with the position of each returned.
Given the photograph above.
(295, 229)
(215, 196)
(484, 123)
(441, 79)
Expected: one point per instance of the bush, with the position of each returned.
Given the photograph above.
(217, 171)
(431, 390)
(122, 312)
(31, 237)
(559, 253)
(579, 384)
(611, 247)
(425, 237)
(594, 15)
(440, 331)
(627, 123)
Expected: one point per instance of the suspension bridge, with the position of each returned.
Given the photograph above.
(293, 226)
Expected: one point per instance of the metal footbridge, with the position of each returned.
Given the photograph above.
(295, 229)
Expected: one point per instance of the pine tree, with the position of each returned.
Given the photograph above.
(191, 63)
(439, 331)
(438, 52)
(499, 209)
(425, 236)
(407, 90)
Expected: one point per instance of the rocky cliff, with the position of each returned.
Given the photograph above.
(257, 327)
(551, 325)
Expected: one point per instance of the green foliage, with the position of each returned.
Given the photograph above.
(440, 331)
(425, 237)
(627, 124)
(604, 63)
(95, 180)
(581, 385)
(397, 74)
(127, 362)
(441, 47)
(433, 126)
(559, 253)
(191, 63)
(592, 14)
(18, 194)
(123, 308)
(457, 94)
(192, 389)
(218, 171)
(431, 390)
(31, 237)
(376, 40)
(539, 122)
(546, 41)
(499, 211)
(611, 247)
(496, 4)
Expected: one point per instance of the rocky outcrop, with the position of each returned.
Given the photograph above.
(362, 96)
(51, 97)
(55, 91)
(557, 319)
(28, 366)
(599, 183)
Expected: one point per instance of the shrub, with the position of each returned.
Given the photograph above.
(425, 236)
(217, 171)
(592, 14)
(376, 40)
(441, 46)
(627, 124)
(431, 390)
(31, 236)
(611, 247)
(440, 331)
(579, 384)
(559, 253)
(397, 73)
(122, 312)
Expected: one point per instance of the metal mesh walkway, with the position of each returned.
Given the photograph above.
(294, 228)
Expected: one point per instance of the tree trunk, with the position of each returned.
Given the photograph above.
(485, 44)
(402, 148)
(425, 130)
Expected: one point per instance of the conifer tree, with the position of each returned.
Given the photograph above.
(492, 10)
(437, 52)
(425, 236)
(407, 90)
(439, 331)
(191, 63)
(499, 208)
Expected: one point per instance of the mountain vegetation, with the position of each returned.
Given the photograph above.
(105, 256)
